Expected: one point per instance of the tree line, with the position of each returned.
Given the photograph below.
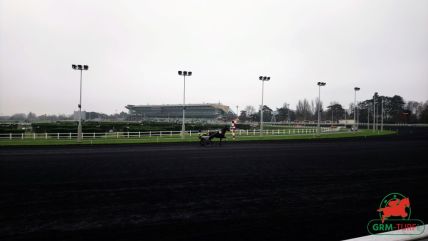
(395, 110)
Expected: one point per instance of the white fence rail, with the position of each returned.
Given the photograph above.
(145, 134)
(312, 124)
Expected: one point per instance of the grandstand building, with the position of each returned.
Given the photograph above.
(194, 112)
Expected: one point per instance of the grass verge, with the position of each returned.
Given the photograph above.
(177, 139)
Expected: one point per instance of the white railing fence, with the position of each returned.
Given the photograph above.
(145, 134)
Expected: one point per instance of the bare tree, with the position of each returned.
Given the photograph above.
(249, 109)
(303, 110)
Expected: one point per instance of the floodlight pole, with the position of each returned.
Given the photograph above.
(381, 126)
(183, 125)
(319, 106)
(355, 107)
(374, 112)
(263, 79)
(79, 127)
(261, 109)
(319, 110)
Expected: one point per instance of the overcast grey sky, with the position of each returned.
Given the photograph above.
(135, 48)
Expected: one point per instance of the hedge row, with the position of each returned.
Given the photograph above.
(66, 127)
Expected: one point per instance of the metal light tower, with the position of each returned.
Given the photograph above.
(79, 127)
(355, 107)
(319, 106)
(263, 79)
(374, 112)
(381, 126)
(184, 74)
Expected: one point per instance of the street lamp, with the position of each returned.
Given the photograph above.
(355, 107)
(184, 74)
(79, 127)
(319, 106)
(263, 79)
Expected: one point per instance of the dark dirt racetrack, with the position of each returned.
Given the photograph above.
(291, 190)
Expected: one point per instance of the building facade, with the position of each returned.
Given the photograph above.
(194, 112)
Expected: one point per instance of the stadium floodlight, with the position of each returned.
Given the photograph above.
(381, 125)
(355, 107)
(374, 112)
(319, 106)
(183, 125)
(263, 79)
(79, 127)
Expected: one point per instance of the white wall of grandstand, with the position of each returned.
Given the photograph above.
(195, 113)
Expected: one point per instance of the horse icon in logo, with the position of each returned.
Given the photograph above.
(396, 208)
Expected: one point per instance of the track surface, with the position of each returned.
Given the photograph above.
(317, 190)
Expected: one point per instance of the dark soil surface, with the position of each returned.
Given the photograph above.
(283, 190)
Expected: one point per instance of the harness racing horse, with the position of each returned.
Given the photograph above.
(206, 139)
